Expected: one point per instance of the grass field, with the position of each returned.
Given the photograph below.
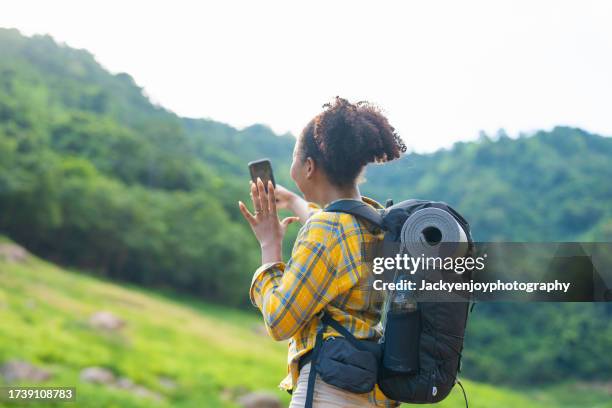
(210, 353)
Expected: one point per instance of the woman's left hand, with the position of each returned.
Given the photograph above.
(266, 226)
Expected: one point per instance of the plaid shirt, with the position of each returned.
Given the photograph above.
(326, 271)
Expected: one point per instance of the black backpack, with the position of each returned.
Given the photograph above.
(437, 332)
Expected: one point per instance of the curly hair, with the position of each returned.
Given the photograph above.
(345, 137)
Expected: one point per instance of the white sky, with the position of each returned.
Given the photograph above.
(442, 70)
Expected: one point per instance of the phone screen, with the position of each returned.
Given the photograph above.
(263, 170)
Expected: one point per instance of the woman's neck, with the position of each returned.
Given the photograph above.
(332, 193)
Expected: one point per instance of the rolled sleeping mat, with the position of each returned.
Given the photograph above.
(433, 232)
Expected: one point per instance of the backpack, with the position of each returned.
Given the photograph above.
(436, 329)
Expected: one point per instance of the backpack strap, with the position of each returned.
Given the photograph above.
(358, 209)
(375, 217)
(330, 321)
(312, 375)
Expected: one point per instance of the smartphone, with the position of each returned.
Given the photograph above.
(262, 169)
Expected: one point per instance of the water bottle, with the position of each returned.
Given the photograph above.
(404, 301)
(402, 333)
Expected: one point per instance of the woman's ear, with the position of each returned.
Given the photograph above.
(310, 167)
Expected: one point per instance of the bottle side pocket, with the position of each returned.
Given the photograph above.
(401, 346)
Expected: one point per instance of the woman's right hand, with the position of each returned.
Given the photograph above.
(289, 200)
(284, 198)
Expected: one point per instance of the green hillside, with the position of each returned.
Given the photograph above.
(210, 354)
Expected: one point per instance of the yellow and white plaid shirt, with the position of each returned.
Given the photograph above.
(327, 270)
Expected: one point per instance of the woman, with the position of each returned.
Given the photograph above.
(327, 269)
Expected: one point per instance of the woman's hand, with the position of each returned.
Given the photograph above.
(266, 226)
(288, 200)
(285, 199)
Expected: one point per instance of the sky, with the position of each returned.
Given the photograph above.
(442, 71)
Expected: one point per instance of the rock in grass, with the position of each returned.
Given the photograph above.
(13, 253)
(100, 375)
(125, 383)
(105, 320)
(259, 400)
(17, 370)
(167, 383)
(97, 375)
(141, 391)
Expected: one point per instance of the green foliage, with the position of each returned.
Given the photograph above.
(552, 186)
(539, 343)
(95, 176)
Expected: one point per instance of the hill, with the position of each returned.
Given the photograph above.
(184, 352)
(69, 129)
